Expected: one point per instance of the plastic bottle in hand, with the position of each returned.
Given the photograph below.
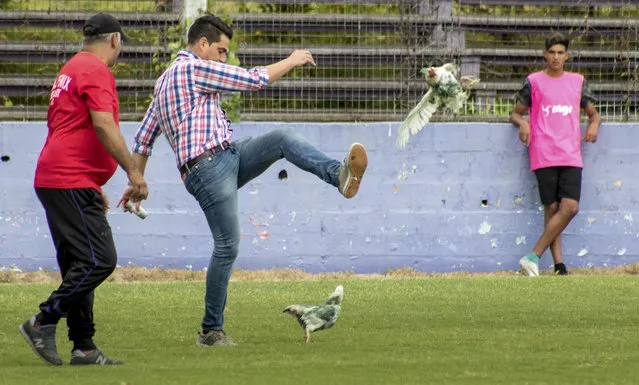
(140, 213)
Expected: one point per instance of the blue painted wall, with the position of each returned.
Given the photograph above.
(421, 207)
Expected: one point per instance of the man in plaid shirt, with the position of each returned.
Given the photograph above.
(186, 108)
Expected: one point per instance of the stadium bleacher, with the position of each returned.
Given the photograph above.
(453, 29)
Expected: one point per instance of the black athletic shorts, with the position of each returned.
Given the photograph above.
(558, 182)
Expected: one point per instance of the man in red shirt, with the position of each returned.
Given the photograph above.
(83, 148)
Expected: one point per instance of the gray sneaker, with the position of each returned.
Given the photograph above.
(96, 357)
(214, 338)
(41, 340)
(351, 173)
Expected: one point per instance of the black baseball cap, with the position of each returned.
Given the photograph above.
(102, 23)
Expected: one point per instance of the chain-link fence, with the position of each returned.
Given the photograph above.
(369, 52)
(38, 36)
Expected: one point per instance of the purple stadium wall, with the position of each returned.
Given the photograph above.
(460, 197)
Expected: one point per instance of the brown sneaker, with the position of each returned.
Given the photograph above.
(214, 338)
(351, 173)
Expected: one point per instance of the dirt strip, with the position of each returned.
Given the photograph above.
(141, 274)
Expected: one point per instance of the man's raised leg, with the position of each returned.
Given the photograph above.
(258, 153)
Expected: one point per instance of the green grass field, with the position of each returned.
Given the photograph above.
(478, 330)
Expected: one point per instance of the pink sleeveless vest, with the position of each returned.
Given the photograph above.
(554, 120)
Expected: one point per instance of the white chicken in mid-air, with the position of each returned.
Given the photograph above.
(320, 317)
(443, 90)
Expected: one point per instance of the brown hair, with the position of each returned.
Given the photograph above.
(557, 38)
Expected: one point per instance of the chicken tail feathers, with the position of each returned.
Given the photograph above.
(295, 310)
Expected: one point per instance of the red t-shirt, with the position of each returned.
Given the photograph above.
(73, 156)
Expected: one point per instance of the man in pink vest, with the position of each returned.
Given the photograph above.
(553, 138)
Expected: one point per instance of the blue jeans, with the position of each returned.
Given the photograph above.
(214, 183)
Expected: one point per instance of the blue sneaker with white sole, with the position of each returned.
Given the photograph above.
(529, 265)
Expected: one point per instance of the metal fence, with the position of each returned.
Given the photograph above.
(369, 52)
(38, 36)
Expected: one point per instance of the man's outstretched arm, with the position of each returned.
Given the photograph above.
(297, 59)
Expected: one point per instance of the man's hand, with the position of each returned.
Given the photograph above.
(517, 118)
(301, 57)
(105, 200)
(296, 59)
(594, 120)
(591, 135)
(524, 133)
(137, 190)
